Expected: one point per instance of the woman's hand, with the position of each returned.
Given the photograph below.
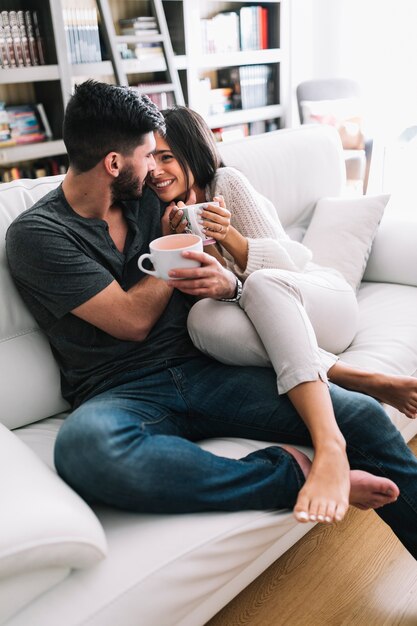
(216, 219)
(172, 220)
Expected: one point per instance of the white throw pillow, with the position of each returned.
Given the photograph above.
(341, 233)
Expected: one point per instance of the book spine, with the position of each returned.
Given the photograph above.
(44, 120)
(264, 29)
(96, 36)
(33, 49)
(24, 38)
(39, 39)
(9, 39)
(4, 52)
(17, 43)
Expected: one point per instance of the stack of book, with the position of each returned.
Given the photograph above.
(220, 34)
(23, 124)
(81, 31)
(142, 29)
(230, 31)
(21, 41)
(251, 85)
(253, 28)
(44, 167)
(155, 92)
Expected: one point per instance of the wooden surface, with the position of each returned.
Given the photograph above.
(352, 574)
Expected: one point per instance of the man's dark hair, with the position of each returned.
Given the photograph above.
(102, 118)
(192, 143)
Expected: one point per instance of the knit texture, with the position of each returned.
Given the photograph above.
(255, 217)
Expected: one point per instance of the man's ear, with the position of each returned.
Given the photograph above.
(112, 163)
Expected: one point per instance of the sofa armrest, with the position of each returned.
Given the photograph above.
(44, 524)
(393, 257)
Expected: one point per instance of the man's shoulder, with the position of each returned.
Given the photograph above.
(42, 208)
(40, 214)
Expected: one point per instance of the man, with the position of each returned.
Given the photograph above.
(142, 395)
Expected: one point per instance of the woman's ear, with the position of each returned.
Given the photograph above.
(112, 164)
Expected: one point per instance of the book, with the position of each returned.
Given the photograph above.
(16, 39)
(24, 38)
(33, 48)
(263, 22)
(249, 36)
(27, 123)
(40, 44)
(7, 34)
(5, 132)
(4, 51)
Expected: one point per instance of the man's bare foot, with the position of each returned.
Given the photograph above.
(397, 391)
(319, 500)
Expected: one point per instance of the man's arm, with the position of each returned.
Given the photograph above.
(130, 315)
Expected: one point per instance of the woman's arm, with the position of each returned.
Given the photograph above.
(255, 219)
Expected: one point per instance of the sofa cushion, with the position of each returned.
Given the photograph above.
(341, 233)
(293, 168)
(46, 528)
(29, 371)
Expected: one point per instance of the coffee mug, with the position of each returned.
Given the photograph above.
(166, 254)
(192, 213)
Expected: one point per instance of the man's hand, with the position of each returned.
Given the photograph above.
(211, 280)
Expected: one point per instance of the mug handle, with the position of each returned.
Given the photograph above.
(140, 264)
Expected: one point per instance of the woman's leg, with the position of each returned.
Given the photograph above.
(273, 302)
(397, 391)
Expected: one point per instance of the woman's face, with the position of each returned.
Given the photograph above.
(167, 179)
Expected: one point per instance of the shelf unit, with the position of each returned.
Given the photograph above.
(52, 84)
(184, 18)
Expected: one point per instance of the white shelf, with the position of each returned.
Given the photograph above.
(244, 57)
(29, 74)
(143, 66)
(102, 68)
(32, 151)
(244, 115)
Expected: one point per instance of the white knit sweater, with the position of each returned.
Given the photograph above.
(255, 217)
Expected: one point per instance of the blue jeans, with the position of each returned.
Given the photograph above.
(133, 446)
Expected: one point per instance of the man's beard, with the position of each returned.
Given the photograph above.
(126, 186)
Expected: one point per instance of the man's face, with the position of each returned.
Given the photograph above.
(128, 185)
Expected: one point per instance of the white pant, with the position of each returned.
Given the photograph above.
(282, 319)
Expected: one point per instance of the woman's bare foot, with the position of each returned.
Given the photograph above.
(397, 391)
(328, 500)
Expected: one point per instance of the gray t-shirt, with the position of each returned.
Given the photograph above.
(59, 260)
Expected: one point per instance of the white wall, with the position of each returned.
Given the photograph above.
(372, 41)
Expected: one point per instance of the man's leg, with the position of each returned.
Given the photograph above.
(131, 447)
(247, 408)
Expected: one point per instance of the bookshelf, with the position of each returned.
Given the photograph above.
(52, 83)
(199, 61)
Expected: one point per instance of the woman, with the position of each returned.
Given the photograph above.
(280, 312)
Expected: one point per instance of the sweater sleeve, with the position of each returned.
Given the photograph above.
(255, 217)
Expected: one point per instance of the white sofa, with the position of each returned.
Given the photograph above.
(60, 562)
